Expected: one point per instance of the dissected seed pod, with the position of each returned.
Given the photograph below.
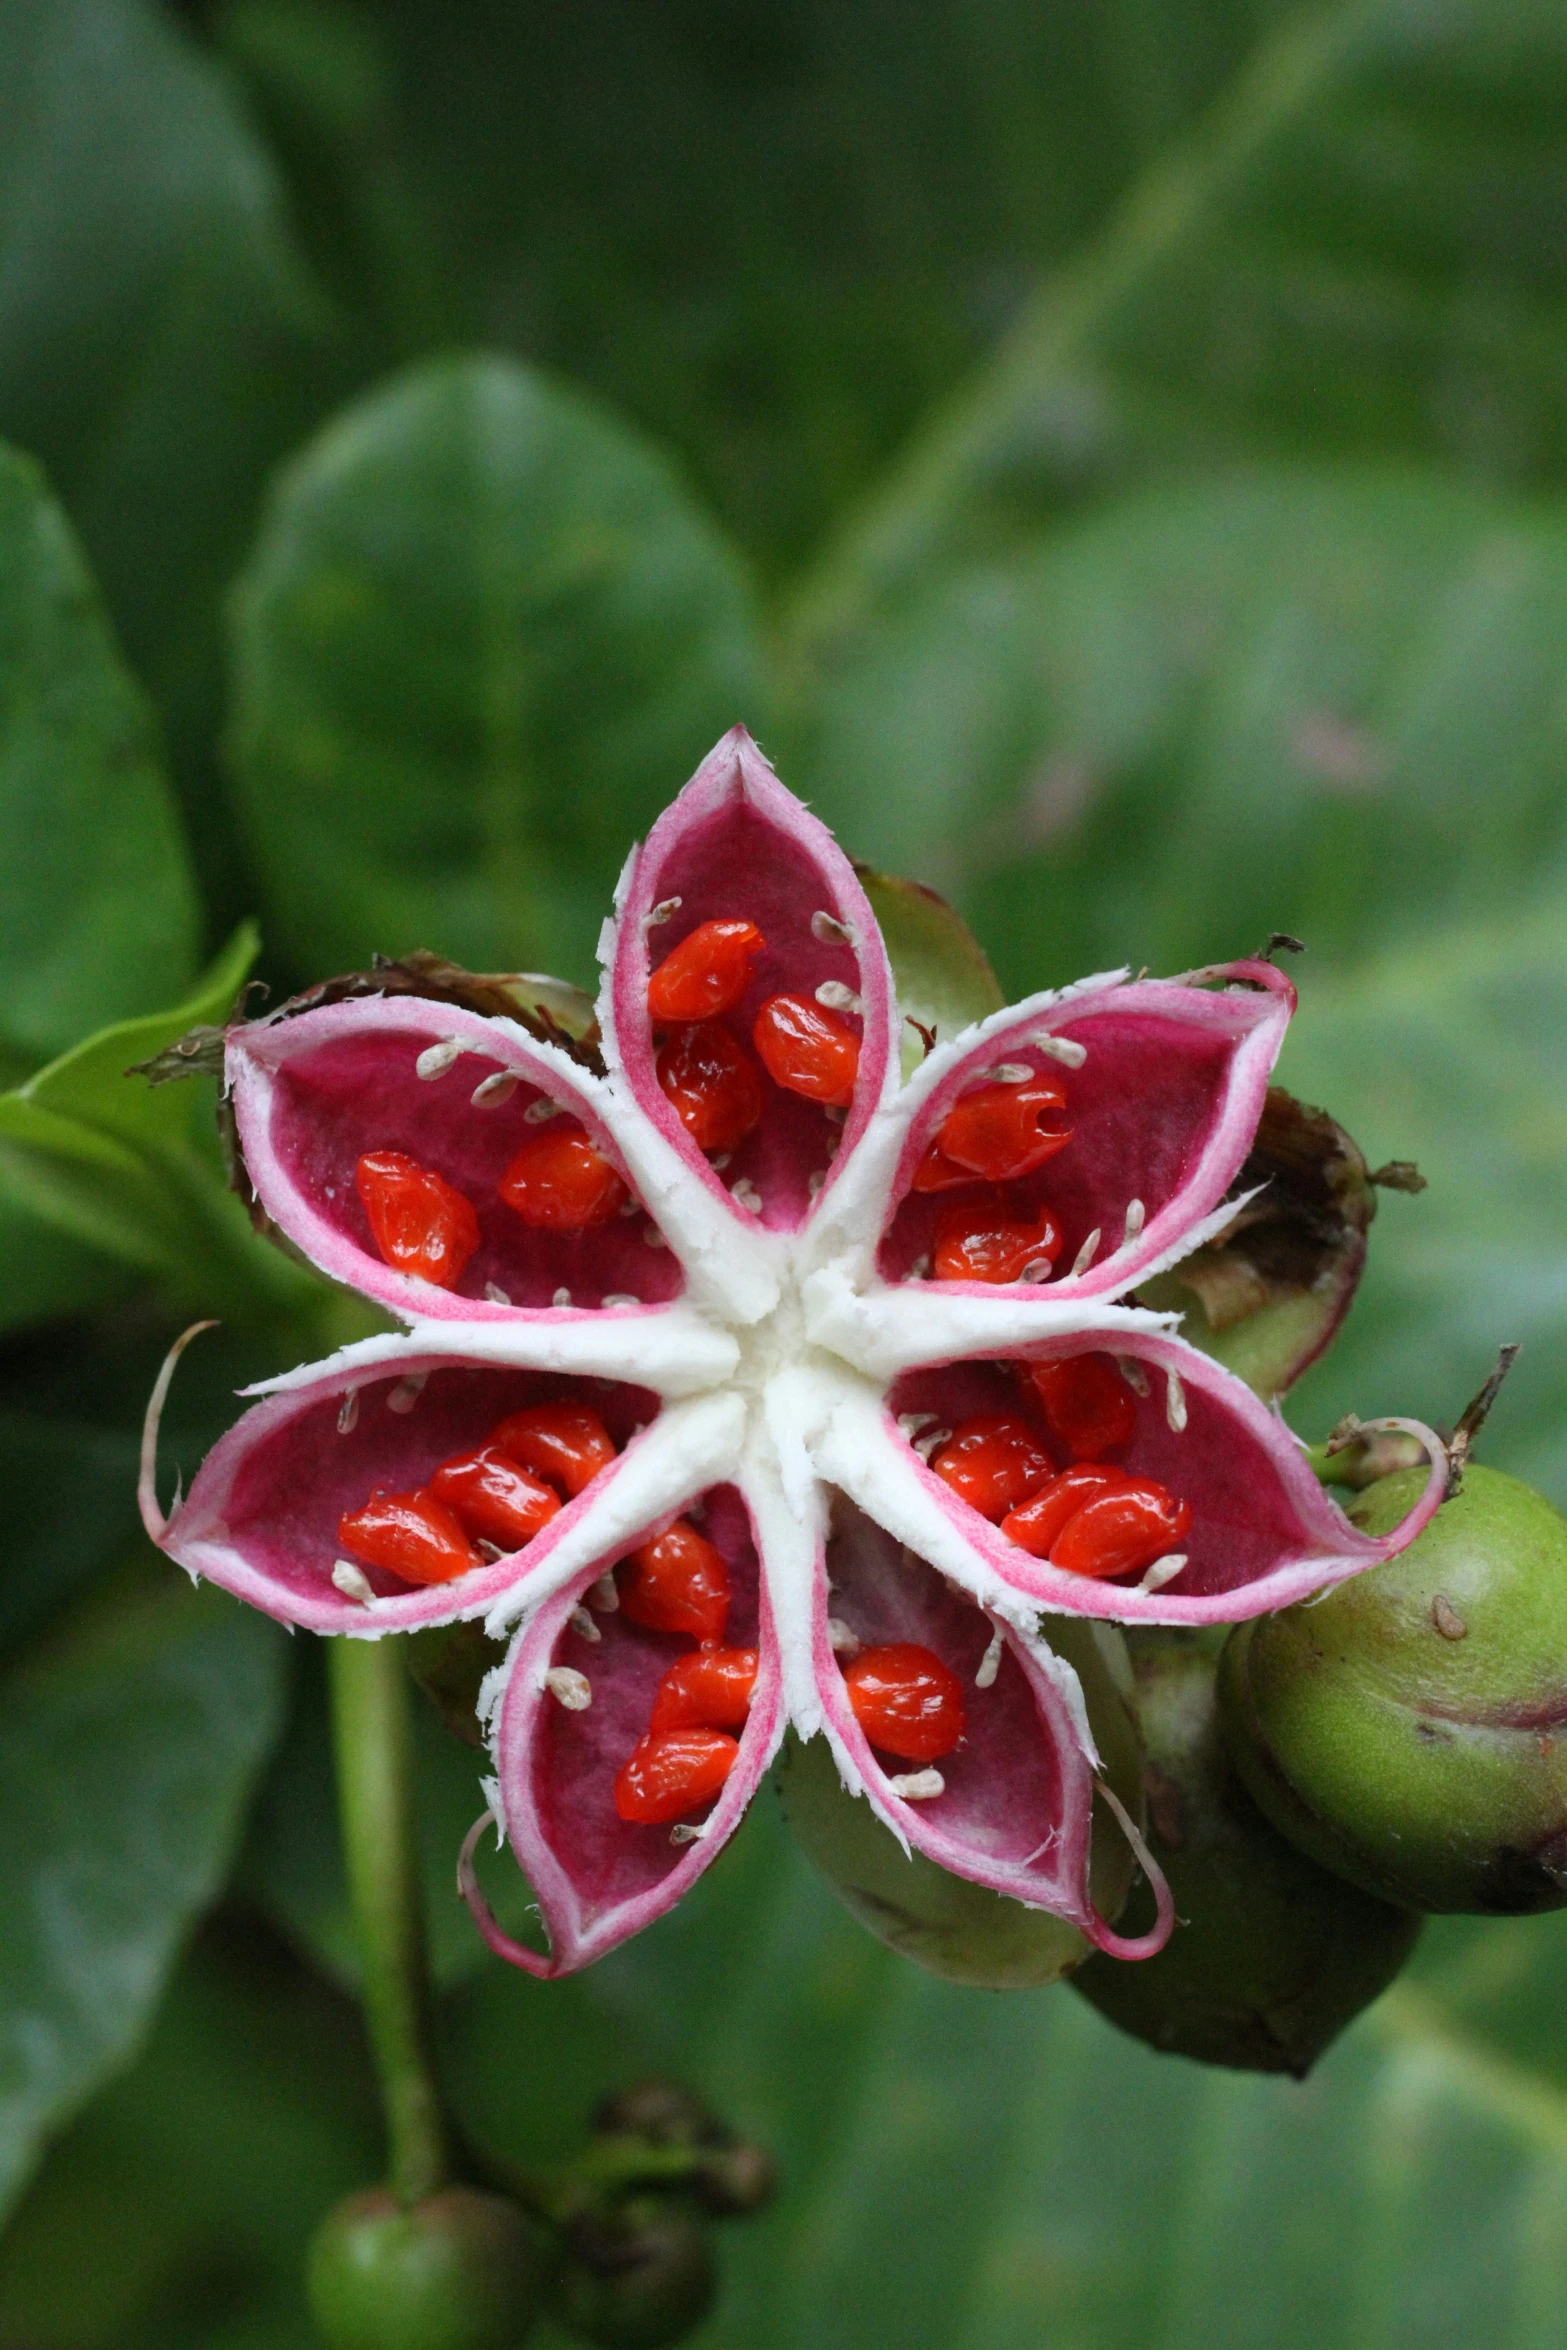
(953, 1928)
(460, 2271)
(1273, 1955)
(1407, 1731)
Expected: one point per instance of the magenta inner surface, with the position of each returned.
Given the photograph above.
(576, 1755)
(302, 1476)
(362, 1093)
(1141, 1109)
(739, 866)
(1243, 1521)
(1003, 1794)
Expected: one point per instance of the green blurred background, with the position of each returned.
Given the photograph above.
(1112, 452)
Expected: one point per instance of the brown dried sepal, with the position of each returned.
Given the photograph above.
(1266, 1297)
(551, 1010)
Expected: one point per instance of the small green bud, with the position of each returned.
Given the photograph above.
(1273, 1956)
(729, 2176)
(636, 2276)
(1407, 1730)
(964, 1932)
(459, 2271)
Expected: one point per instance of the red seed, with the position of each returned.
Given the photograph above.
(1122, 1532)
(564, 1442)
(409, 1534)
(418, 1222)
(706, 974)
(981, 1238)
(491, 1494)
(1035, 1523)
(807, 1049)
(712, 1087)
(560, 1182)
(1088, 1407)
(993, 1462)
(677, 1582)
(906, 1701)
(996, 1131)
(936, 1172)
(710, 1690)
(672, 1772)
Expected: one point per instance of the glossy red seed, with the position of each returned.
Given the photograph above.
(807, 1049)
(993, 1461)
(998, 1131)
(936, 1172)
(492, 1494)
(409, 1534)
(564, 1442)
(1087, 1405)
(981, 1238)
(712, 1087)
(1035, 1523)
(561, 1182)
(418, 1222)
(707, 973)
(906, 1701)
(710, 1690)
(677, 1583)
(672, 1772)
(1122, 1532)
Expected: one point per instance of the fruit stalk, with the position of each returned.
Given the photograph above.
(373, 1744)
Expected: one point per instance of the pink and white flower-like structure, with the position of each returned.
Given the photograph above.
(760, 1334)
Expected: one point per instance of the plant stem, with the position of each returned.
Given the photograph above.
(373, 1740)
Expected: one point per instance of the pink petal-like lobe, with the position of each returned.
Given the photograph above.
(737, 844)
(1162, 1109)
(1016, 1808)
(314, 1093)
(1263, 1533)
(598, 1878)
(261, 1518)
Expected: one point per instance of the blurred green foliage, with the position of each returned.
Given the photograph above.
(1114, 452)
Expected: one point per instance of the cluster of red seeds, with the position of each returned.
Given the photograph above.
(988, 1139)
(678, 1582)
(499, 1494)
(904, 1697)
(1089, 1518)
(805, 1047)
(559, 1182)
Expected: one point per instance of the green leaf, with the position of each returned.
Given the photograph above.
(1354, 248)
(1216, 710)
(128, 1744)
(97, 909)
(484, 637)
(161, 343)
(174, 2213)
(131, 1171)
(1453, 1052)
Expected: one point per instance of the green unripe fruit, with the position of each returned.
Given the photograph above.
(1274, 1956)
(459, 2271)
(636, 2276)
(1407, 1730)
(964, 1932)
